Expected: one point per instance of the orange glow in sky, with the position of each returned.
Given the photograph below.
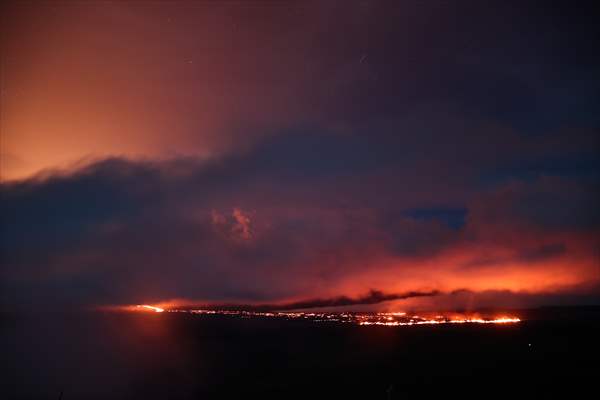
(151, 308)
(255, 154)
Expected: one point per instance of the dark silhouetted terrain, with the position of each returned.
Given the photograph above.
(180, 356)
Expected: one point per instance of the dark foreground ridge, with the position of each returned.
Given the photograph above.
(553, 351)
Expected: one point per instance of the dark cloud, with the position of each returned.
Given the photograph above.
(468, 300)
(275, 222)
(260, 154)
(373, 297)
(544, 252)
(550, 203)
(539, 253)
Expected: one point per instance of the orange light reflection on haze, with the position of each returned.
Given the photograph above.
(151, 308)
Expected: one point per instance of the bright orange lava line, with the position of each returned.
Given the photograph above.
(438, 321)
(381, 318)
(155, 309)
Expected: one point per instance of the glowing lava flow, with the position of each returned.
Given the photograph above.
(381, 318)
(357, 318)
(503, 320)
(152, 308)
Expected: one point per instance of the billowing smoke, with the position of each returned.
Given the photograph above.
(372, 297)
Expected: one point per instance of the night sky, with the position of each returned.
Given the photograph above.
(274, 152)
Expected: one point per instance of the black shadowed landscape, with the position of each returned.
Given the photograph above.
(552, 352)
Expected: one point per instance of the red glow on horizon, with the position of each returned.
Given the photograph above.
(150, 308)
(356, 318)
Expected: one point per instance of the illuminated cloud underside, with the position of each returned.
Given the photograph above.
(217, 154)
